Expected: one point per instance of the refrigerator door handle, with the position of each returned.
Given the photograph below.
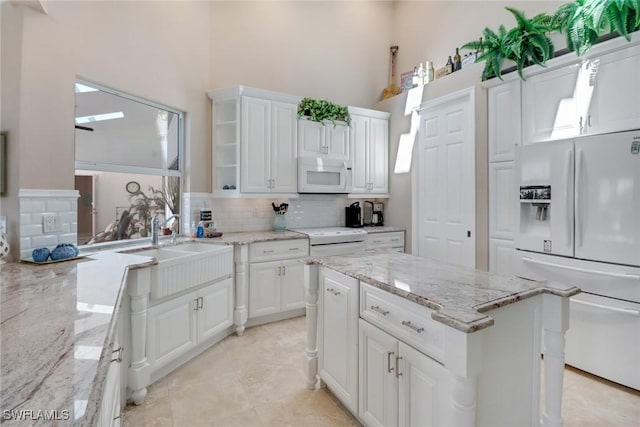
(567, 195)
(578, 211)
(608, 308)
(582, 270)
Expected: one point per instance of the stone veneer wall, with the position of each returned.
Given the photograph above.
(233, 215)
(35, 203)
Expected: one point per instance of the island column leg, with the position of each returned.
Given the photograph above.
(555, 324)
(311, 352)
(463, 359)
(241, 261)
(138, 287)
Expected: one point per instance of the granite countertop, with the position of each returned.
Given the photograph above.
(381, 229)
(459, 296)
(246, 237)
(56, 333)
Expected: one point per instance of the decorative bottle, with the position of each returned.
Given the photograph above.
(431, 73)
(448, 68)
(457, 61)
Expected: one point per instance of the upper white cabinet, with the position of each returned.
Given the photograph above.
(505, 123)
(325, 139)
(255, 136)
(268, 147)
(369, 151)
(591, 97)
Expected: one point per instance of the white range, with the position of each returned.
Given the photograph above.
(327, 241)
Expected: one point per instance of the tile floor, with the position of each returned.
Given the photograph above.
(258, 380)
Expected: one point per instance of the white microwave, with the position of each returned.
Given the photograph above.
(320, 175)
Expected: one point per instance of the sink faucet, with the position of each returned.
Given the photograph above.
(155, 225)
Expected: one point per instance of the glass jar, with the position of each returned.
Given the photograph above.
(279, 222)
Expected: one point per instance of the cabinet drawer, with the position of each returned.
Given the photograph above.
(278, 250)
(385, 240)
(406, 320)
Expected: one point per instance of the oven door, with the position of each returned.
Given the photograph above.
(320, 175)
(331, 249)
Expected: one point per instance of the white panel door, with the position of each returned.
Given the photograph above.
(264, 288)
(424, 390)
(550, 107)
(505, 120)
(310, 138)
(378, 400)
(284, 147)
(607, 198)
(502, 195)
(358, 136)
(337, 141)
(255, 147)
(171, 330)
(292, 285)
(445, 184)
(379, 155)
(215, 309)
(615, 105)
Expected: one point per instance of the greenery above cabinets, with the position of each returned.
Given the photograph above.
(584, 23)
(320, 110)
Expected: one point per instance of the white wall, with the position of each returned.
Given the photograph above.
(334, 50)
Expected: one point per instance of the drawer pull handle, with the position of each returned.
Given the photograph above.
(270, 251)
(412, 326)
(294, 249)
(333, 291)
(395, 240)
(377, 241)
(197, 304)
(389, 368)
(398, 373)
(119, 358)
(379, 310)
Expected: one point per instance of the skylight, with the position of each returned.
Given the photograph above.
(99, 117)
(80, 88)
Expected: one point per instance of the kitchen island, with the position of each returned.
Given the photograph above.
(403, 340)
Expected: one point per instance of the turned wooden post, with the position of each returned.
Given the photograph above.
(311, 352)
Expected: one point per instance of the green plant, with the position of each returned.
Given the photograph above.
(528, 42)
(494, 51)
(319, 110)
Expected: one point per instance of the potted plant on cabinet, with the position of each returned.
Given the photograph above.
(320, 110)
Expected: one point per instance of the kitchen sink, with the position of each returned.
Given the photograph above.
(184, 266)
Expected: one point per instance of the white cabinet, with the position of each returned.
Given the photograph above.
(110, 406)
(505, 129)
(502, 196)
(389, 240)
(399, 385)
(268, 146)
(503, 258)
(276, 277)
(370, 152)
(338, 336)
(179, 324)
(325, 139)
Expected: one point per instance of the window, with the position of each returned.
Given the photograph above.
(128, 160)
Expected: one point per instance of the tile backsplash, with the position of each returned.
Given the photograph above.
(233, 215)
(36, 203)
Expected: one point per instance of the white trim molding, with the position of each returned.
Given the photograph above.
(28, 192)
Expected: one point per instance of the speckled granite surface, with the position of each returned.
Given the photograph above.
(56, 334)
(246, 237)
(382, 229)
(459, 296)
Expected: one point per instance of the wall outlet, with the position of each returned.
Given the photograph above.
(50, 223)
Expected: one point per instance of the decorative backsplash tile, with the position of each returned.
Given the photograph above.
(36, 203)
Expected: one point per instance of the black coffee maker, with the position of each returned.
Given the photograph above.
(353, 215)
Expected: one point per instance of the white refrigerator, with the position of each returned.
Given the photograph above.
(578, 222)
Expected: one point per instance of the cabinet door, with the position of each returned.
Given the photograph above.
(264, 288)
(171, 330)
(358, 136)
(255, 148)
(502, 257)
(284, 147)
(292, 285)
(423, 390)
(337, 141)
(378, 399)
(502, 200)
(505, 121)
(551, 105)
(310, 138)
(615, 105)
(215, 310)
(339, 337)
(378, 155)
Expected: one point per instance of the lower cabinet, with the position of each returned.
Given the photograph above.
(110, 406)
(275, 287)
(398, 384)
(178, 325)
(338, 336)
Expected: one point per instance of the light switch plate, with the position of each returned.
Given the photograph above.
(50, 222)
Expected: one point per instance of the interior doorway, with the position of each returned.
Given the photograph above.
(85, 184)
